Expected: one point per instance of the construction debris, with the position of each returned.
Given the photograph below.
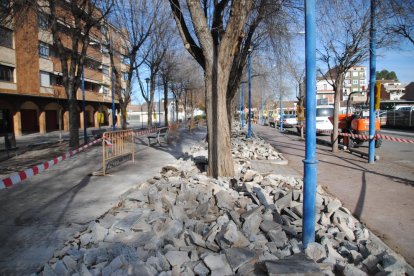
(182, 222)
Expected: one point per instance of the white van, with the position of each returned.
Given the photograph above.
(323, 112)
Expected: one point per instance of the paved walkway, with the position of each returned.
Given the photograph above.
(380, 195)
(38, 215)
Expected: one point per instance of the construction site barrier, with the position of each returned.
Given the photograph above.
(366, 137)
(18, 177)
(116, 144)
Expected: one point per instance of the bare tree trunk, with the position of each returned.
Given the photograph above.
(337, 96)
(165, 102)
(73, 116)
(123, 108)
(220, 160)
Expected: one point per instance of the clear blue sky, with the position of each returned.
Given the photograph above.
(401, 61)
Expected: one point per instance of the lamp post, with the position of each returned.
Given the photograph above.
(159, 108)
(372, 69)
(310, 162)
(249, 61)
(147, 81)
(113, 100)
(242, 105)
(261, 94)
(142, 117)
(281, 113)
(85, 136)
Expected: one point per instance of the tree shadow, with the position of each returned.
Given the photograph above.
(30, 217)
(361, 199)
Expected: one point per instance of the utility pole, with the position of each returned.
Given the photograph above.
(85, 137)
(249, 129)
(372, 69)
(310, 162)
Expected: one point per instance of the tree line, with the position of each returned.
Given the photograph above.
(198, 50)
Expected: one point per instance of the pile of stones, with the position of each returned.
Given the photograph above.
(182, 222)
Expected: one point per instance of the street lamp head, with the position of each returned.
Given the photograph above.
(147, 80)
(250, 50)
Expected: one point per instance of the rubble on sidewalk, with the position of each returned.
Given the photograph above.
(182, 222)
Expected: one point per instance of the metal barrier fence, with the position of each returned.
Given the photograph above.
(116, 144)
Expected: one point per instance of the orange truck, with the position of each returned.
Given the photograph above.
(357, 123)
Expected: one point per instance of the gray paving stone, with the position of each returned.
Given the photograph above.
(315, 251)
(177, 258)
(238, 256)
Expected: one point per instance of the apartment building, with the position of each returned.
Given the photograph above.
(32, 98)
(355, 80)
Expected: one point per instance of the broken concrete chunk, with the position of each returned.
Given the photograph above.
(238, 256)
(315, 251)
(177, 258)
(218, 264)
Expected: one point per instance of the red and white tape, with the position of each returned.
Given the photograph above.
(18, 177)
(366, 137)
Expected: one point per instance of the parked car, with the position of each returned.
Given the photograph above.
(289, 120)
(323, 112)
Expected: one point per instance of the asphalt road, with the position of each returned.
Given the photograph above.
(390, 152)
(380, 195)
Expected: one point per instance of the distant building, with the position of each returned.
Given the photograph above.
(32, 97)
(409, 92)
(355, 80)
(391, 90)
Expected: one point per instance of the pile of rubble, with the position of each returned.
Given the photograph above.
(252, 149)
(182, 222)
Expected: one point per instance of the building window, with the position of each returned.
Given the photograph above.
(105, 70)
(355, 74)
(6, 37)
(355, 82)
(6, 73)
(43, 50)
(56, 80)
(44, 79)
(125, 76)
(42, 21)
(362, 82)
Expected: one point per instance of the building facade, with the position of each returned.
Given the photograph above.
(391, 90)
(32, 97)
(355, 80)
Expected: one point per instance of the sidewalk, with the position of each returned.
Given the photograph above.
(379, 195)
(41, 213)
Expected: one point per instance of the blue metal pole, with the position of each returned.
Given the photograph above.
(113, 101)
(249, 61)
(241, 108)
(85, 136)
(242, 92)
(262, 108)
(159, 108)
(372, 69)
(310, 162)
(281, 113)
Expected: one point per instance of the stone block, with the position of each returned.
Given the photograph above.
(268, 225)
(284, 201)
(292, 267)
(70, 263)
(177, 258)
(197, 239)
(224, 200)
(201, 269)
(237, 257)
(315, 251)
(60, 268)
(218, 264)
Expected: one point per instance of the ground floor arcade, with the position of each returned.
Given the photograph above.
(27, 114)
